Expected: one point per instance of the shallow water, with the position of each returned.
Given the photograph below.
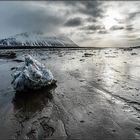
(96, 96)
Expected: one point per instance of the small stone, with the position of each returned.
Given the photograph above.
(113, 130)
(82, 121)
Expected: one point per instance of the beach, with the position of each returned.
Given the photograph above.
(97, 96)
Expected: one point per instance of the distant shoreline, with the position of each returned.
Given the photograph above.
(44, 47)
(54, 47)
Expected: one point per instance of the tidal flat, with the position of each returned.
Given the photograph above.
(97, 96)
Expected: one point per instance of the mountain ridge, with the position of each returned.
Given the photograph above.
(37, 39)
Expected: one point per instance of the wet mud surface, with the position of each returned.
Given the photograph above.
(97, 96)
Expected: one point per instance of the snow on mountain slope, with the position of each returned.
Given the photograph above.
(37, 39)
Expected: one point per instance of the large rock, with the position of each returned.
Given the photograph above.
(32, 75)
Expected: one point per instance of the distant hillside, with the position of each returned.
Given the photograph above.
(38, 40)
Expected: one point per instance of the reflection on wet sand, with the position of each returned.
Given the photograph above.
(27, 106)
(28, 103)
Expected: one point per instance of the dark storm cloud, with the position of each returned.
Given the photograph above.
(73, 22)
(116, 27)
(90, 32)
(93, 27)
(129, 27)
(102, 32)
(91, 19)
(90, 8)
(98, 31)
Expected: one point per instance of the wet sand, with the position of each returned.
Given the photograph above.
(97, 96)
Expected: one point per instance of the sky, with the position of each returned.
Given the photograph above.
(87, 23)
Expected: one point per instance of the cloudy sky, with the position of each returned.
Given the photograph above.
(87, 23)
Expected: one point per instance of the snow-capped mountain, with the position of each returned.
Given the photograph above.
(37, 39)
